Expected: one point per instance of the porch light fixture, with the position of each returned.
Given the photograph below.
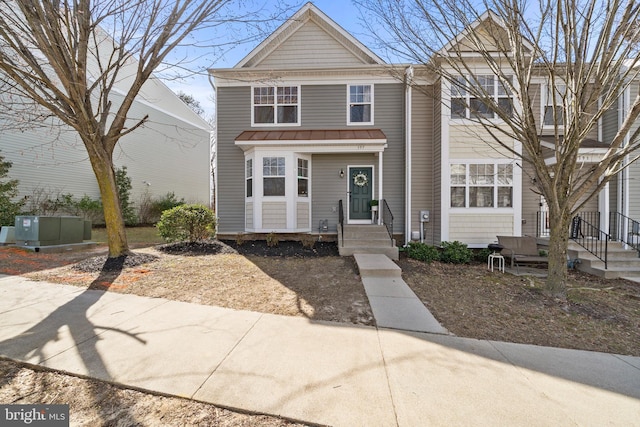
(341, 173)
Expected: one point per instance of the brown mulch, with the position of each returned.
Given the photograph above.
(598, 315)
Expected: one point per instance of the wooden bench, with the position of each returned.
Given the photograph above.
(521, 249)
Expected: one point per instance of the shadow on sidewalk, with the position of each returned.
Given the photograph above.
(72, 318)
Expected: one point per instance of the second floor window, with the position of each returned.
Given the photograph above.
(275, 105)
(554, 99)
(360, 108)
(469, 99)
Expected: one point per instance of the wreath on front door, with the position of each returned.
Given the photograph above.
(360, 179)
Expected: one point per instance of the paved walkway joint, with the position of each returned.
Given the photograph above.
(392, 301)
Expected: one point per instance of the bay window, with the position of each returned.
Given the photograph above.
(273, 176)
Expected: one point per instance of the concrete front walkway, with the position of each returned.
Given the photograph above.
(393, 303)
(318, 372)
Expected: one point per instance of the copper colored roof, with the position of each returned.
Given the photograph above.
(312, 135)
(586, 143)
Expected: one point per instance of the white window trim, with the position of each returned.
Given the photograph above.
(253, 177)
(470, 209)
(544, 103)
(308, 178)
(468, 118)
(372, 103)
(275, 112)
(273, 197)
(291, 195)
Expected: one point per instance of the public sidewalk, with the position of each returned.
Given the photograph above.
(318, 372)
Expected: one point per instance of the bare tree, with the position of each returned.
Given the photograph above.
(588, 48)
(83, 62)
(191, 102)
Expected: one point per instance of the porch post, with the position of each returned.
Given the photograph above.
(603, 208)
(380, 196)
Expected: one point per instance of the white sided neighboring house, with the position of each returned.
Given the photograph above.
(169, 154)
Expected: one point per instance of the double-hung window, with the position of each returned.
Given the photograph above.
(360, 105)
(276, 105)
(249, 177)
(303, 178)
(481, 185)
(478, 96)
(273, 176)
(554, 100)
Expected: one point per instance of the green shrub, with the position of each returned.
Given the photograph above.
(423, 252)
(481, 255)
(455, 253)
(187, 223)
(123, 181)
(150, 209)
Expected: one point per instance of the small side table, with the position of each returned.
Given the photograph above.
(490, 262)
(495, 256)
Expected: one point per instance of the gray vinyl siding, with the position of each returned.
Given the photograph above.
(634, 169)
(233, 117)
(609, 130)
(328, 188)
(422, 160)
(322, 107)
(389, 116)
(530, 201)
(436, 218)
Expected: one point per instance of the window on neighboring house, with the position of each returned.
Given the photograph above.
(471, 101)
(273, 173)
(554, 99)
(276, 105)
(249, 177)
(303, 178)
(486, 185)
(360, 108)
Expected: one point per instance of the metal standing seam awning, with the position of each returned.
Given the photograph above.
(316, 141)
(590, 151)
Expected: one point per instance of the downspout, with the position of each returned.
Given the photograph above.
(213, 147)
(407, 135)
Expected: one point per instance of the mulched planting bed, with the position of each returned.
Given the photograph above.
(284, 249)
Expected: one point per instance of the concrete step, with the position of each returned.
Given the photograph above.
(391, 252)
(376, 265)
(364, 243)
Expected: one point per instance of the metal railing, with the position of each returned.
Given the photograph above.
(590, 237)
(543, 225)
(624, 229)
(341, 220)
(387, 218)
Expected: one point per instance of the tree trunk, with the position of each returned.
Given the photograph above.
(102, 165)
(558, 244)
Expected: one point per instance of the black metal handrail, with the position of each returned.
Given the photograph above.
(625, 230)
(542, 218)
(341, 220)
(387, 218)
(590, 237)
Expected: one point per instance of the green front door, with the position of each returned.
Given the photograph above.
(360, 192)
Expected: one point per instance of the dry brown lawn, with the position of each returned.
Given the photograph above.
(468, 300)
